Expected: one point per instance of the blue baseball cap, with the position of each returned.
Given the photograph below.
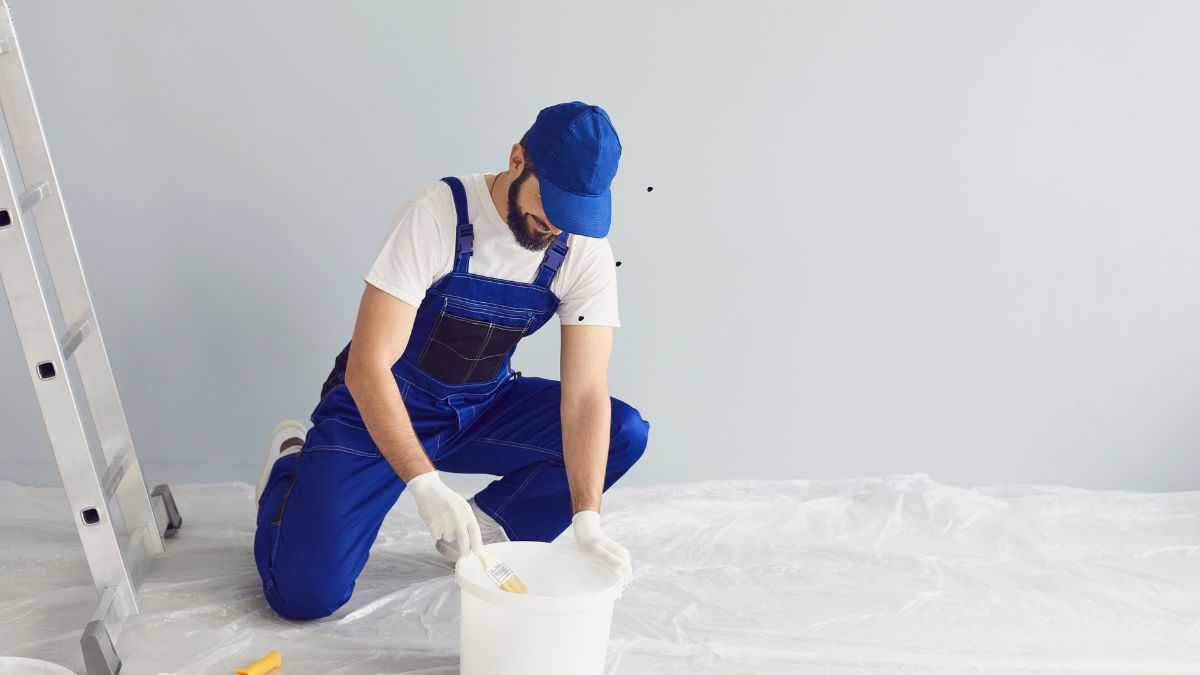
(575, 151)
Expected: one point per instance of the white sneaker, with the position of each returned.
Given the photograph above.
(287, 439)
(489, 530)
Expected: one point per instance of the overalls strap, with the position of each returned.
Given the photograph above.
(464, 231)
(552, 260)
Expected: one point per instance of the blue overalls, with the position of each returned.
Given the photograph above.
(322, 507)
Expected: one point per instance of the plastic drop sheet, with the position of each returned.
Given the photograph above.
(888, 575)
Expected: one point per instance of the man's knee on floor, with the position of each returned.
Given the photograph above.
(305, 599)
(630, 433)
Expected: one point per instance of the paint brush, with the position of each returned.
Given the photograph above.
(503, 576)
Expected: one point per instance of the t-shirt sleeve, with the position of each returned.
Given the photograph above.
(411, 257)
(593, 291)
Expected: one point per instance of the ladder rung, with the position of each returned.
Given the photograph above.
(37, 194)
(75, 336)
(114, 474)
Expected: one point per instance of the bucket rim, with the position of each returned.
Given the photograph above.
(32, 666)
(541, 603)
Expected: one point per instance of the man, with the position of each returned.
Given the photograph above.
(471, 265)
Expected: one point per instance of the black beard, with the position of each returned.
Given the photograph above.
(525, 237)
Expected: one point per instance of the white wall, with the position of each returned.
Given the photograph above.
(958, 238)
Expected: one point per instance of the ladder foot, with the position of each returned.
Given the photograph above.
(174, 520)
(99, 653)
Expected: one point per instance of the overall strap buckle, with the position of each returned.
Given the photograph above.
(466, 237)
(552, 261)
(555, 254)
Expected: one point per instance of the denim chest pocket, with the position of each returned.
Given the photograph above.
(471, 340)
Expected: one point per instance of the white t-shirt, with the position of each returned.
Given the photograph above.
(419, 250)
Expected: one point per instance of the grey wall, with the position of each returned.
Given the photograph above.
(958, 238)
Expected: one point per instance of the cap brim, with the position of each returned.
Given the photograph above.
(585, 215)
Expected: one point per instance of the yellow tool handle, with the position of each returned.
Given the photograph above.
(265, 664)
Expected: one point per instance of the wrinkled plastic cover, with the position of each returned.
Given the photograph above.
(890, 575)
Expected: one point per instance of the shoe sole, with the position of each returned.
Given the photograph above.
(448, 552)
(273, 455)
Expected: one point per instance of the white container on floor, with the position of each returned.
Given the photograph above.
(16, 665)
(561, 626)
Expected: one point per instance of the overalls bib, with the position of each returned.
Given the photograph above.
(463, 338)
(322, 507)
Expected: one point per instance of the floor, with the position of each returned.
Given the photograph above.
(886, 575)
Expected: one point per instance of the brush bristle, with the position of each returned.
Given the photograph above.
(507, 579)
(515, 585)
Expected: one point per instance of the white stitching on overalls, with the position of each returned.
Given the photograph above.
(431, 332)
(478, 358)
(521, 489)
(501, 441)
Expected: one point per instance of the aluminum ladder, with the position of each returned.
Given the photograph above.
(116, 556)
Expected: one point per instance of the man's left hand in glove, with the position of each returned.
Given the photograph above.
(600, 547)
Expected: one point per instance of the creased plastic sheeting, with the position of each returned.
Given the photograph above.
(892, 575)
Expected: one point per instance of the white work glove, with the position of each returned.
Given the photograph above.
(599, 546)
(446, 513)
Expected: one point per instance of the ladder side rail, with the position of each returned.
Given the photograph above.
(60, 411)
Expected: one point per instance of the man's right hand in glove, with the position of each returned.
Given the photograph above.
(446, 513)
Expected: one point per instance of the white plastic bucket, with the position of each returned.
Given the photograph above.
(560, 627)
(16, 665)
